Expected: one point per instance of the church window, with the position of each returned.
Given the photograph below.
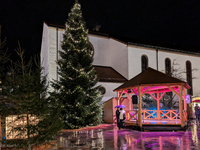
(102, 90)
(144, 62)
(189, 76)
(168, 66)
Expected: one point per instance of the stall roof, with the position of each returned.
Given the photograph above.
(151, 77)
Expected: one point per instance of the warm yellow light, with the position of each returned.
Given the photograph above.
(14, 121)
(195, 98)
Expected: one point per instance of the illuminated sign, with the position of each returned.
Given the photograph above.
(187, 99)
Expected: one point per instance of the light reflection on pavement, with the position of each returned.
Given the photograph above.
(110, 138)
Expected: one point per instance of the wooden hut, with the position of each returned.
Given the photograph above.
(156, 84)
(109, 108)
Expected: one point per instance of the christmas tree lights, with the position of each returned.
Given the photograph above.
(77, 88)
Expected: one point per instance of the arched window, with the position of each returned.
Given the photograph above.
(102, 90)
(189, 76)
(168, 66)
(144, 62)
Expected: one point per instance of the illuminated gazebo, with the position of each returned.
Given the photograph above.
(156, 84)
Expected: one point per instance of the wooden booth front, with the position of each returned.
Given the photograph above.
(155, 84)
(195, 100)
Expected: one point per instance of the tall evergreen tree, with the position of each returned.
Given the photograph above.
(76, 88)
(4, 60)
(32, 117)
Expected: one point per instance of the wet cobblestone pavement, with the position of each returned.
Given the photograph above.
(110, 138)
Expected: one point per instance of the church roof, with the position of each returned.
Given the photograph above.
(56, 25)
(151, 77)
(108, 74)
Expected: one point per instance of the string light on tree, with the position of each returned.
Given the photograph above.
(80, 103)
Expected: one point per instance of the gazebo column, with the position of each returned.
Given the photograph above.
(130, 100)
(158, 106)
(180, 101)
(188, 108)
(140, 107)
(119, 96)
(184, 95)
(180, 104)
(158, 98)
(117, 93)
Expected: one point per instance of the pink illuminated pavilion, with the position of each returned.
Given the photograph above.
(156, 84)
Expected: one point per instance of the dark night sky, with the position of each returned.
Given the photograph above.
(173, 23)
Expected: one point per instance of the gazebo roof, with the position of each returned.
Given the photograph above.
(151, 77)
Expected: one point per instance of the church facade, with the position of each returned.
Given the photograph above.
(117, 61)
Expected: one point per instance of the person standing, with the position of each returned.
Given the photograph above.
(122, 118)
(197, 113)
(117, 117)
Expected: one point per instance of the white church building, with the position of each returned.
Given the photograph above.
(117, 61)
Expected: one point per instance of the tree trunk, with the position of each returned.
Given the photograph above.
(28, 132)
(29, 147)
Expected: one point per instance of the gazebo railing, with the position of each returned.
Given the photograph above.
(184, 115)
(149, 114)
(160, 115)
(132, 115)
(169, 114)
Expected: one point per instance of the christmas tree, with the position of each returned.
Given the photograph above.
(31, 117)
(76, 88)
(4, 59)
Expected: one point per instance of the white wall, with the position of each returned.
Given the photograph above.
(134, 63)
(110, 52)
(101, 55)
(134, 59)
(44, 54)
(60, 39)
(52, 54)
(101, 50)
(181, 60)
(119, 55)
(109, 86)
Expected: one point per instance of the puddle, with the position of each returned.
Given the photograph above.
(110, 138)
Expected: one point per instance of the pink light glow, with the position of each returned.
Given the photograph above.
(135, 91)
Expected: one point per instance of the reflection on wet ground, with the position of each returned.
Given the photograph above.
(110, 138)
